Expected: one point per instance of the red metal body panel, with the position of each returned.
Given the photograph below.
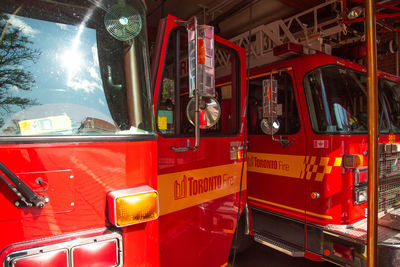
(79, 176)
(200, 233)
(260, 186)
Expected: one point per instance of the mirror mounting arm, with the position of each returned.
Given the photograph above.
(197, 97)
(196, 127)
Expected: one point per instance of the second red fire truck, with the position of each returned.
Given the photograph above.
(307, 160)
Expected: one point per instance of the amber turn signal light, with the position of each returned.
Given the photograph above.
(201, 52)
(132, 205)
(353, 161)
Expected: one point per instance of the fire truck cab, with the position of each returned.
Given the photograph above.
(77, 140)
(200, 113)
(307, 160)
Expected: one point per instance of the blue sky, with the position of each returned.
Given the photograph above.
(68, 69)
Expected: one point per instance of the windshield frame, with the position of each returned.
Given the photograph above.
(143, 63)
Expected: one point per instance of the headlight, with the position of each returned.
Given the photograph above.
(360, 195)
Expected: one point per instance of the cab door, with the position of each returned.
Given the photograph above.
(199, 190)
(276, 163)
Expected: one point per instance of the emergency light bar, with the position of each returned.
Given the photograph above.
(288, 49)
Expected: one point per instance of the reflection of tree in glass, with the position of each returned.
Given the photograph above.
(15, 50)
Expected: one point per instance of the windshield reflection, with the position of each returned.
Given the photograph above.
(337, 101)
(69, 77)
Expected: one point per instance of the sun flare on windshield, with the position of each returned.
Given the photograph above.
(71, 60)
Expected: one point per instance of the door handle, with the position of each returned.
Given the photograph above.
(285, 141)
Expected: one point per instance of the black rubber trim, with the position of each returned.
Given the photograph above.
(76, 139)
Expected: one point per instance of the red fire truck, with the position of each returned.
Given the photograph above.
(201, 173)
(307, 160)
(78, 148)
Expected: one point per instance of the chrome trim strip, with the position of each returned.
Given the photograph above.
(275, 244)
(247, 220)
(76, 138)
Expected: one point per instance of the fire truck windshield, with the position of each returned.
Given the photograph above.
(391, 97)
(337, 101)
(69, 69)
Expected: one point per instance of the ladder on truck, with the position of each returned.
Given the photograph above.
(311, 29)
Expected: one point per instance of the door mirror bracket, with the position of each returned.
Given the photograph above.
(203, 110)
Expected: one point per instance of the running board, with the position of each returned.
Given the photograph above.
(289, 249)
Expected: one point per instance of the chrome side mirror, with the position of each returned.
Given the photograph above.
(210, 112)
(270, 126)
(202, 105)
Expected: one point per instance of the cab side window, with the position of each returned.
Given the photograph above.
(173, 96)
(287, 107)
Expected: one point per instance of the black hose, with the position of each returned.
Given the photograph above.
(245, 134)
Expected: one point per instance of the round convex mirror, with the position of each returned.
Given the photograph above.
(269, 126)
(210, 112)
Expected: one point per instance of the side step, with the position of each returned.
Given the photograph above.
(289, 249)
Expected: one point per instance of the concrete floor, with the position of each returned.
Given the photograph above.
(261, 256)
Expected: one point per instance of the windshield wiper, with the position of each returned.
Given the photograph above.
(27, 197)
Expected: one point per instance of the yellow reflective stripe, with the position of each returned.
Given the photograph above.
(294, 166)
(276, 164)
(265, 74)
(181, 190)
(228, 231)
(223, 84)
(328, 169)
(338, 162)
(319, 177)
(315, 168)
(324, 161)
(291, 208)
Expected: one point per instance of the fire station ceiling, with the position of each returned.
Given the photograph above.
(231, 17)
